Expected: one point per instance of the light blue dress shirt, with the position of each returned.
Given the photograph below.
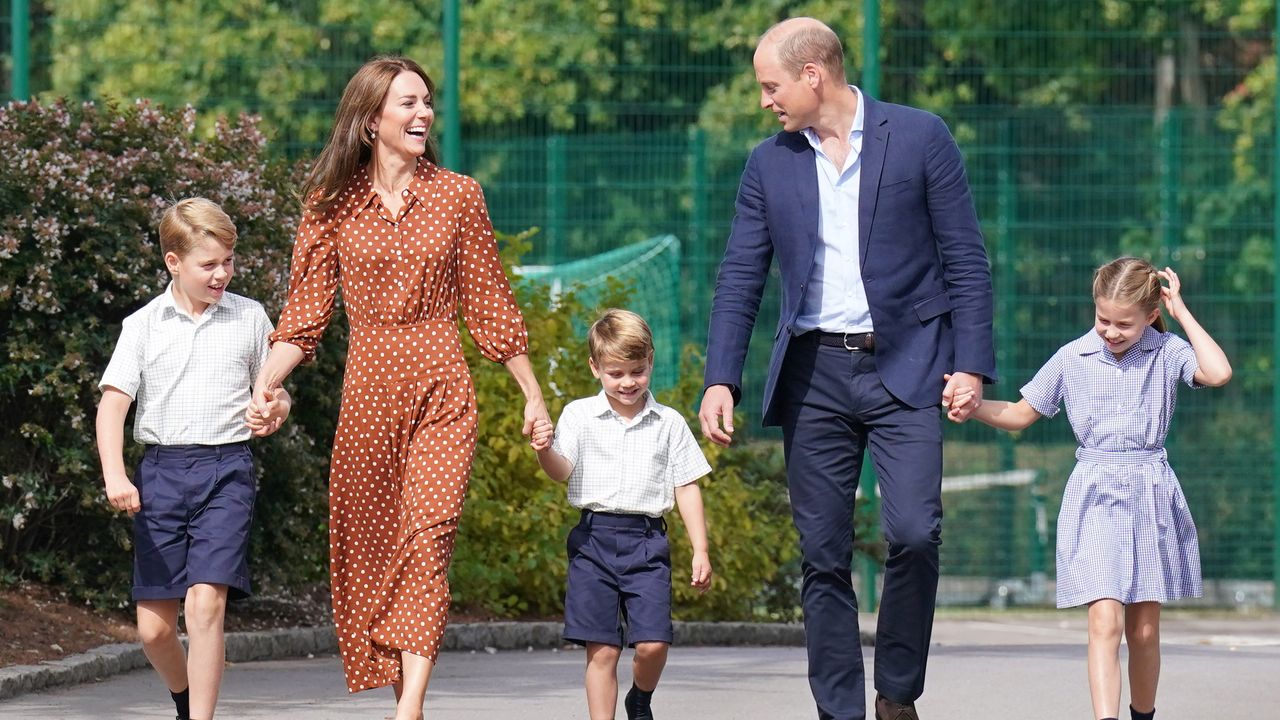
(836, 300)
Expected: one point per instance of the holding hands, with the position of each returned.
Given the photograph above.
(267, 411)
(962, 395)
(542, 435)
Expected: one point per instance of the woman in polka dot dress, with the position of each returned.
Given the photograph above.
(409, 241)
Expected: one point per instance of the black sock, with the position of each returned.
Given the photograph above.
(1142, 715)
(637, 703)
(182, 701)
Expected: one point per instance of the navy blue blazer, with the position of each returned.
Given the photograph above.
(923, 262)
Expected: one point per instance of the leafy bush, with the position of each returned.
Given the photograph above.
(81, 191)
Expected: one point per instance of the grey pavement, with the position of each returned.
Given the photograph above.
(981, 666)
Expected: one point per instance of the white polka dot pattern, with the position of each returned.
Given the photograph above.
(407, 428)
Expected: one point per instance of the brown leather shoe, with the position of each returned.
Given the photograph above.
(887, 709)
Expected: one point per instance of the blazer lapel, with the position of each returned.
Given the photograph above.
(875, 138)
(805, 172)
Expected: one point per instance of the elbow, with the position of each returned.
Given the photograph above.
(1219, 378)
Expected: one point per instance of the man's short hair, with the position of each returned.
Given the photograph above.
(189, 220)
(620, 335)
(808, 42)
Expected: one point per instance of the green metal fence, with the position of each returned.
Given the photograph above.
(1091, 128)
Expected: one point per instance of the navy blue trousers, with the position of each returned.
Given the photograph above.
(833, 406)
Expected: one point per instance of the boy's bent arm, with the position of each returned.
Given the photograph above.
(1005, 415)
(689, 501)
(112, 410)
(554, 465)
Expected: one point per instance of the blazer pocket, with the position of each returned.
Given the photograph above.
(932, 307)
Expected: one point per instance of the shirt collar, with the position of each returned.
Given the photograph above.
(855, 130)
(169, 306)
(362, 192)
(1149, 341)
(601, 406)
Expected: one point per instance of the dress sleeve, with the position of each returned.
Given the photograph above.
(1045, 392)
(313, 282)
(1180, 357)
(488, 305)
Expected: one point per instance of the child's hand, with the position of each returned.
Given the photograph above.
(123, 495)
(263, 421)
(1172, 293)
(701, 577)
(542, 435)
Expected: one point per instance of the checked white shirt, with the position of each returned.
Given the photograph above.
(623, 466)
(192, 378)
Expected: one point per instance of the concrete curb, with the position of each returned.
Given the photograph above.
(113, 659)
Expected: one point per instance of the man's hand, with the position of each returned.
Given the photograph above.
(717, 406)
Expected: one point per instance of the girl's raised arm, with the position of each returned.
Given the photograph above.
(1215, 369)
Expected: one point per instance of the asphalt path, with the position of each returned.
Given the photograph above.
(978, 669)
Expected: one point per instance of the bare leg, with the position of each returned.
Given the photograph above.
(602, 680)
(1142, 630)
(205, 608)
(1106, 625)
(158, 631)
(411, 691)
(646, 667)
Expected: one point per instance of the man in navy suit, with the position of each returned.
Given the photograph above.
(886, 312)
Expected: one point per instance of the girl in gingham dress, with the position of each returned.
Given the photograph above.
(1126, 541)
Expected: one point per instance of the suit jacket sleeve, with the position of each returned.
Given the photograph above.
(964, 257)
(740, 283)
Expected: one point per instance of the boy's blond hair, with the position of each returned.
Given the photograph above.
(620, 335)
(189, 220)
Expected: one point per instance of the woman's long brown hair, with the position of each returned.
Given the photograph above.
(349, 146)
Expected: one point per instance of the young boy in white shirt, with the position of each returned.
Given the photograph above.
(628, 460)
(188, 358)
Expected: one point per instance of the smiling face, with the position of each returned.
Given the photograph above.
(1120, 326)
(405, 119)
(201, 275)
(624, 381)
(792, 98)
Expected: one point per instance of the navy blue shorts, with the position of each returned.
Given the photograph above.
(619, 574)
(197, 507)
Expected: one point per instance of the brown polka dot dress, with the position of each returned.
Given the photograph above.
(407, 428)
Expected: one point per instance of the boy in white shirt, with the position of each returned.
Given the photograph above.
(188, 358)
(628, 460)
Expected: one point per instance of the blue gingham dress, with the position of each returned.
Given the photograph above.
(1124, 530)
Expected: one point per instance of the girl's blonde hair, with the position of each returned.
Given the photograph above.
(620, 335)
(193, 219)
(1130, 281)
(349, 146)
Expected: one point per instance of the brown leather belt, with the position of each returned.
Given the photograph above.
(853, 342)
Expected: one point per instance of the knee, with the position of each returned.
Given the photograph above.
(1144, 635)
(601, 656)
(205, 607)
(1105, 627)
(914, 540)
(154, 631)
(651, 652)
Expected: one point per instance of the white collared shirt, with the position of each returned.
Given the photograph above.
(627, 466)
(835, 299)
(192, 378)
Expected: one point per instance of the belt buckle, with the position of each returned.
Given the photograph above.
(846, 343)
